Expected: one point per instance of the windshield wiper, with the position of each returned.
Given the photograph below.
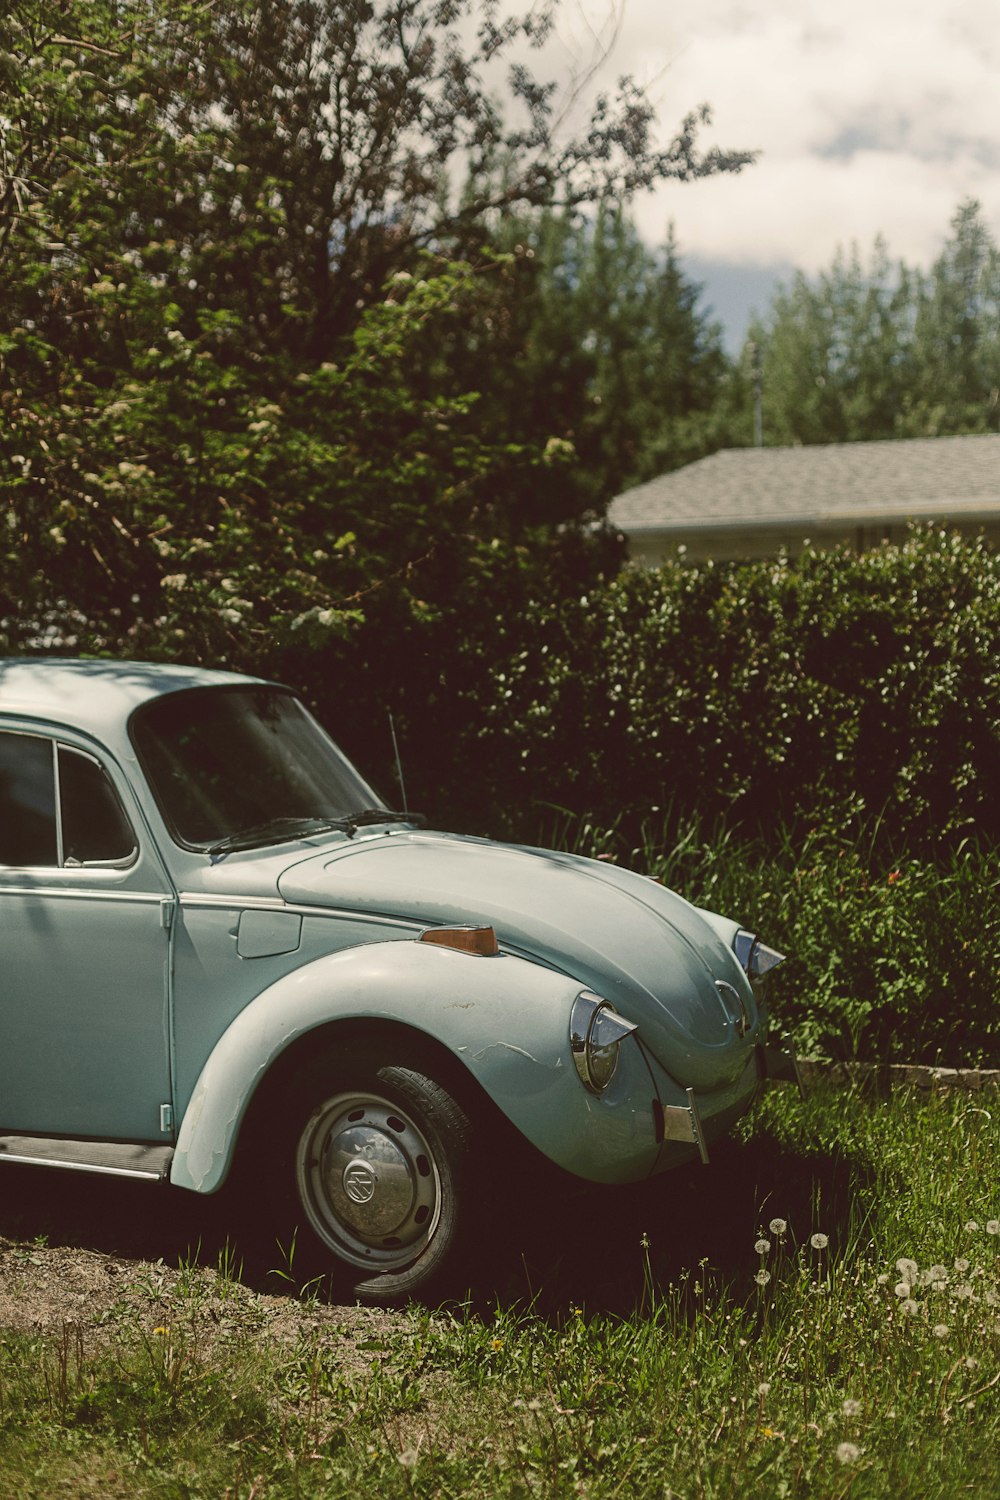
(275, 830)
(370, 815)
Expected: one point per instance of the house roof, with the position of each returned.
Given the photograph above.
(821, 485)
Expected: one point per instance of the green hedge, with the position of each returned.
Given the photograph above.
(860, 688)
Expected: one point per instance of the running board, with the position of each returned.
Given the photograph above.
(112, 1158)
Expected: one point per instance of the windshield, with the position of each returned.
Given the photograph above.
(226, 761)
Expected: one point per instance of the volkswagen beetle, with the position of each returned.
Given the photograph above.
(218, 945)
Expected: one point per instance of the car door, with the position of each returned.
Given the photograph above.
(84, 950)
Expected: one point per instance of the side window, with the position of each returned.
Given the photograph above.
(95, 829)
(28, 834)
(58, 807)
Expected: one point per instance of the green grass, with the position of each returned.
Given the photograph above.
(840, 1335)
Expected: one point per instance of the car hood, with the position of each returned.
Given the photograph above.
(637, 944)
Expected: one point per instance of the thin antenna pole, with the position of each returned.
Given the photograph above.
(399, 763)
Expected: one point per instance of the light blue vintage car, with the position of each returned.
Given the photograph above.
(218, 947)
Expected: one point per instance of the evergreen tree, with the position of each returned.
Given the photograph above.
(882, 350)
(603, 348)
(956, 335)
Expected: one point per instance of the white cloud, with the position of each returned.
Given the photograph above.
(870, 118)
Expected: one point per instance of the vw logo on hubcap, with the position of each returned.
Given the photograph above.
(359, 1182)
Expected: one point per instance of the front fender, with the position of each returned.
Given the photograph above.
(504, 1018)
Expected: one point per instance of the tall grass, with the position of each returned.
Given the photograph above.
(850, 1344)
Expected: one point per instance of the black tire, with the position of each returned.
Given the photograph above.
(381, 1171)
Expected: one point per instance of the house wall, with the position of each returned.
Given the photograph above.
(651, 549)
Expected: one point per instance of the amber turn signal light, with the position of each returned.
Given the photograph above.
(481, 941)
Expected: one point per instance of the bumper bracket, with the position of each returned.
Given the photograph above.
(683, 1123)
(780, 1064)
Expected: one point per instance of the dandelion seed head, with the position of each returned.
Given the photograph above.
(762, 1247)
(848, 1453)
(819, 1241)
(851, 1407)
(940, 1330)
(764, 1389)
(778, 1227)
(762, 1278)
(909, 1307)
(961, 1265)
(902, 1288)
(993, 1226)
(907, 1269)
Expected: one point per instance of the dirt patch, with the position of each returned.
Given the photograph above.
(48, 1289)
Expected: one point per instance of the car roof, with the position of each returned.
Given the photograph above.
(94, 695)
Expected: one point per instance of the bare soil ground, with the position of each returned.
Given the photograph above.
(51, 1289)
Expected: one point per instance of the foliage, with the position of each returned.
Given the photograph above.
(884, 350)
(887, 959)
(615, 343)
(859, 689)
(240, 353)
(820, 1315)
(230, 538)
(248, 302)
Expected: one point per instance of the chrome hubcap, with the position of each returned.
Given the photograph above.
(368, 1181)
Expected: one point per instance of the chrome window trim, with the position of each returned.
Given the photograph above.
(60, 850)
(127, 861)
(57, 744)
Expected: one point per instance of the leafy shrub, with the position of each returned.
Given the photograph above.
(764, 692)
(890, 962)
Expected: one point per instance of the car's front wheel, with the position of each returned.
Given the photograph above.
(381, 1174)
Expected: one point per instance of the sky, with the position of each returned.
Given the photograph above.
(871, 117)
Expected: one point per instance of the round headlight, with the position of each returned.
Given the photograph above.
(596, 1033)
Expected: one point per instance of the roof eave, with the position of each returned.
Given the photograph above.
(945, 512)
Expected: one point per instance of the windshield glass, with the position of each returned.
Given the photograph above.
(224, 761)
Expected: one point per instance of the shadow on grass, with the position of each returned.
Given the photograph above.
(606, 1250)
(551, 1245)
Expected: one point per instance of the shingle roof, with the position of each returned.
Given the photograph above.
(955, 478)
